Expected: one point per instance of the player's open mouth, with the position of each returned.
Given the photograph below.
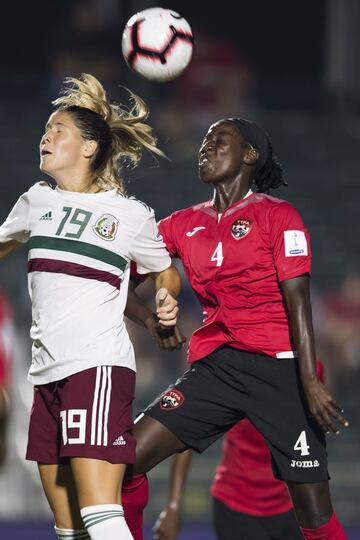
(203, 161)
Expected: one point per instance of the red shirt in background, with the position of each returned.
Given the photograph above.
(5, 338)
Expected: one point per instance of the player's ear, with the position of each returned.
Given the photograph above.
(89, 148)
(251, 156)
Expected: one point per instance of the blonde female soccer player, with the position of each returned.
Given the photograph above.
(82, 235)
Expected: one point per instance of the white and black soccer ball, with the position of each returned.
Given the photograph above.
(157, 44)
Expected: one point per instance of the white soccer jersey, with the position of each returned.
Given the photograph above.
(80, 247)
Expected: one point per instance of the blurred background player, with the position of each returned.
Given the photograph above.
(6, 335)
(339, 332)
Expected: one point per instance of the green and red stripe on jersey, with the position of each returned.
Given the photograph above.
(45, 264)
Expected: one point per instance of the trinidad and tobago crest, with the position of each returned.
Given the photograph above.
(106, 227)
(240, 228)
(172, 399)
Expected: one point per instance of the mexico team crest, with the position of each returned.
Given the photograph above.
(172, 399)
(106, 227)
(240, 228)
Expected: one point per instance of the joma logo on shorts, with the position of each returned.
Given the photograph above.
(304, 464)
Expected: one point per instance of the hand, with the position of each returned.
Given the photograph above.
(166, 308)
(323, 406)
(167, 338)
(167, 525)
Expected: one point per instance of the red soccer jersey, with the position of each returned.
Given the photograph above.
(235, 263)
(244, 479)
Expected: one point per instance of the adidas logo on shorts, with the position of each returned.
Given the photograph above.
(120, 441)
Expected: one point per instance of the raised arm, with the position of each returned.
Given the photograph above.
(168, 523)
(321, 403)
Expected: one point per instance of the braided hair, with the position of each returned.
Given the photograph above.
(270, 176)
(268, 172)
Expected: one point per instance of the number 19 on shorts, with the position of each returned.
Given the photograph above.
(74, 419)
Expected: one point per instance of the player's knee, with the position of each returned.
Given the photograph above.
(312, 513)
(312, 503)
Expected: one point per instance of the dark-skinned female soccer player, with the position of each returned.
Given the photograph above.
(247, 257)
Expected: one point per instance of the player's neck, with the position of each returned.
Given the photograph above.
(80, 184)
(224, 197)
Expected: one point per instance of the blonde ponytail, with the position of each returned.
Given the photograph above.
(121, 133)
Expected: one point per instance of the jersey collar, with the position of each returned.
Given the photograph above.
(210, 204)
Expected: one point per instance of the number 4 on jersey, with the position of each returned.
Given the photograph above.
(302, 445)
(217, 256)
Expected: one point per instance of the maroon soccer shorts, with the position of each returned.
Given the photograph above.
(88, 414)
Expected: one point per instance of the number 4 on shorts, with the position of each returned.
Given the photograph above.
(302, 445)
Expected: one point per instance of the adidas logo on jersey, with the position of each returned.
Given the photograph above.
(120, 441)
(47, 216)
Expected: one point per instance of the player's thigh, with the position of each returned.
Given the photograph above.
(97, 481)
(60, 491)
(204, 403)
(154, 443)
(232, 525)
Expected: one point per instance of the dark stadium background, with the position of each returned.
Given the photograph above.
(294, 67)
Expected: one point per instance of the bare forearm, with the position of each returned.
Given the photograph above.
(178, 476)
(168, 279)
(320, 402)
(297, 295)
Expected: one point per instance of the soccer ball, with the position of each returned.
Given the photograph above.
(157, 44)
